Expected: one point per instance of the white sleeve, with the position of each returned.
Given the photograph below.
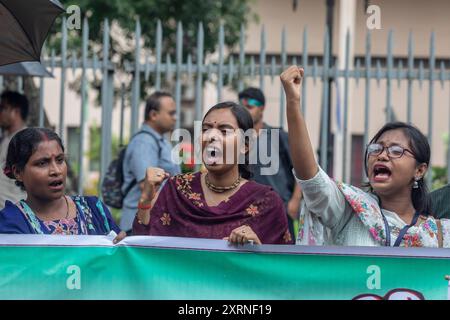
(324, 199)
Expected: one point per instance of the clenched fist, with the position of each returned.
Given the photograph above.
(291, 79)
(153, 180)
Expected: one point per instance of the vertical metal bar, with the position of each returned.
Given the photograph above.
(448, 145)
(20, 84)
(106, 142)
(345, 127)
(325, 94)
(262, 58)
(431, 102)
(63, 78)
(105, 147)
(147, 68)
(83, 118)
(305, 66)
(122, 113)
(283, 66)
(158, 55)
(241, 58)
(178, 72)
(41, 90)
(367, 98)
(1, 84)
(136, 82)
(410, 77)
(390, 65)
(230, 71)
(41, 102)
(169, 68)
(220, 64)
(199, 90)
(199, 80)
(252, 66)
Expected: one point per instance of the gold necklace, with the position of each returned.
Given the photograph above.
(221, 189)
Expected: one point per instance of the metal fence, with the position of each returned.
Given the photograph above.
(237, 68)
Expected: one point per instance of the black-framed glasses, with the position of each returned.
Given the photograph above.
(393, 152)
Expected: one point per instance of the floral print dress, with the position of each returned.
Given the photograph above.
(339, 214)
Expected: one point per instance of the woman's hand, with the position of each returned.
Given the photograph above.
(292, 79)
(302, 153)
(152, 182)
(120, 237)
(242, 235)
(293, 209)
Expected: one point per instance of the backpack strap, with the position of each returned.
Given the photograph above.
(134, 182)
(153, 136)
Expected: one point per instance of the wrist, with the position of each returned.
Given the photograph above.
(142, 206)
(145, 200)
(293, 100)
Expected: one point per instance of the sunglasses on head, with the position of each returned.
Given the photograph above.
(251, 102)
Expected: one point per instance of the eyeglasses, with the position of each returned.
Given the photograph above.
(393, 152)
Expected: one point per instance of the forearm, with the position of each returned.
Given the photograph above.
(323, 198)
(302, 153)
(296, 193)
(145, 204)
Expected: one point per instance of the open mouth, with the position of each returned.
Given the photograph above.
(213, 155)
(57, 184)
(381, 173)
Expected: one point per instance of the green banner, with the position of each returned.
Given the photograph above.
(91, 267)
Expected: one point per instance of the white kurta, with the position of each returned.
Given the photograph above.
(328, 209)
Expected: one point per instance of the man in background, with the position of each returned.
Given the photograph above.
(13, 114)
(148, 148)
(282, 181)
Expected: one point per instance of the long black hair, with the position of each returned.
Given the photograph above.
(245, 122)
(22, 146)
(421, 150)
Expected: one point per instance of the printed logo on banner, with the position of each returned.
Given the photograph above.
(73, 282)
(374, 280)
(394, 294)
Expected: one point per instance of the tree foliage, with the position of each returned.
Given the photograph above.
(232, 13)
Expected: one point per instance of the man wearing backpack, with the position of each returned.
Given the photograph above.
(281, 180)
(148, 148)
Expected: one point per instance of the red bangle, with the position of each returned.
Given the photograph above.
(144, 207)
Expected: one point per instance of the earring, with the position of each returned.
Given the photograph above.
(416, 183)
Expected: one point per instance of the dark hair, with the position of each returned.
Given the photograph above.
(245, 122)
(22, 146)
(154, 102)
(253, 93)
(421, 150)
(16, 101)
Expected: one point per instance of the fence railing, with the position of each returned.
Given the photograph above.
(238, 67)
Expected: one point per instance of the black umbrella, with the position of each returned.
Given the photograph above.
(29, 68)
(24, 25)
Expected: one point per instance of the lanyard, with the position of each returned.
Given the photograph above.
(401, 233)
